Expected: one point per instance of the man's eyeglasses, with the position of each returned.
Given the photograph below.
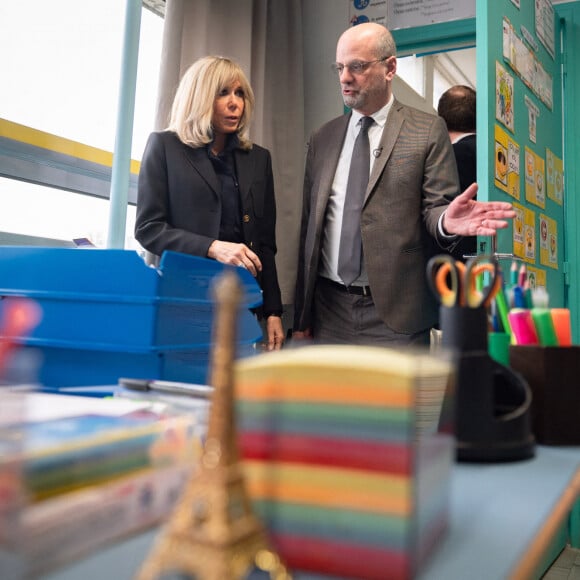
(356, 67)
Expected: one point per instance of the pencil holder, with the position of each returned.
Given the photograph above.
(552, 373)
(499, 347)
(492, 413)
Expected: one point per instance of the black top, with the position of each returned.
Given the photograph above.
(179, 204)
(466, 158)
(231, 214)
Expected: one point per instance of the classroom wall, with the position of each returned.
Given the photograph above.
(324, 21)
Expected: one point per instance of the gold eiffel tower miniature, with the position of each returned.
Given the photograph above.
(213, 533)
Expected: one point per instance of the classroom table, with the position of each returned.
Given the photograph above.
(507, 520)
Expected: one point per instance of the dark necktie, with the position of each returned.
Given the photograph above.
(350, 249)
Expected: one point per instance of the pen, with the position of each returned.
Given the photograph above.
(503, 309)
(522, 326)
(496, 325)
(544, 325)
(528, 296)
(540, 297)
(522, 275)
(514, 273)
(561, 320)
(174, 387)
(519, 299)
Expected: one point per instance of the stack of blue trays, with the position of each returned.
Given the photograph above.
(106, 314)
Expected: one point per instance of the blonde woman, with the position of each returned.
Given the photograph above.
(206, 190)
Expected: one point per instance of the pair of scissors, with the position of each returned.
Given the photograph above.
(456, 283)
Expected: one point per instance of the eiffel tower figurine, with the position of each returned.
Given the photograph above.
(213, 533)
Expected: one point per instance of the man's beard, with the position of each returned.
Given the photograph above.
(351, 101)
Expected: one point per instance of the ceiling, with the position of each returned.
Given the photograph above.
(157, 6)
(459, 64)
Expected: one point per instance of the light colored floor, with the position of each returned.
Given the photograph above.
(566, 566)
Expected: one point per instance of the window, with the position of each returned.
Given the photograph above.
(62, 78)
(411, 70)
(431, 75)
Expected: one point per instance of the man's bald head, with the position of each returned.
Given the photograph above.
(374, 36)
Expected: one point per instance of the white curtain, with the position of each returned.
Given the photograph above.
(265, 38)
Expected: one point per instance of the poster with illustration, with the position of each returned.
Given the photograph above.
(507, 163)
(501, 165)
(548, 241)
(536, 278)
(524, 233)
(518, 230)
(535, 178)
(545, 24)
(554, 177)
(529, 243)
(522, 59)
(533, 114)
(504, 97)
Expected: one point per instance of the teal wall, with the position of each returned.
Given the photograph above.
(489, 28)
(570, 14)
(557, 129)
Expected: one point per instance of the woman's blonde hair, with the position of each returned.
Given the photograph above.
(192, 108)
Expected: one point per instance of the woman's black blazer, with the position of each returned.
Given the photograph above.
(179, 204)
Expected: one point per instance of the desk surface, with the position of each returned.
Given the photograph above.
(497, 511)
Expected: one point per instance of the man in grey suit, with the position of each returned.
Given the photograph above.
(411, 208)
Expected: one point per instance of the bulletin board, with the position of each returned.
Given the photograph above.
(520, 157)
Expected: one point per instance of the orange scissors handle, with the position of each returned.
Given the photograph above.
(476, 267)
(453, 293)
(446, 279)
(456, 283)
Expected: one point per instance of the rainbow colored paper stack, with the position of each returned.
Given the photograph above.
(347, 456)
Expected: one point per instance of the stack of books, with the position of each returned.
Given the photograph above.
(85, 474)
(347, 456)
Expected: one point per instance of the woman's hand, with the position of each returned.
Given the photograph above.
(275, 333)
(236, 255)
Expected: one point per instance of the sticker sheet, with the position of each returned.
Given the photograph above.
(524, 237)
(548, 242)
(554, 177)
(535, 178)
(507, 163)
(504, 97)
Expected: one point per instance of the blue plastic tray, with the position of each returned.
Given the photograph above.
(110, 299)
(70, 367)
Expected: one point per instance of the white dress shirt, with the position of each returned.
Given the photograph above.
(333, 226)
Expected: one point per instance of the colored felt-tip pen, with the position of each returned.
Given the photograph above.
(174, 387)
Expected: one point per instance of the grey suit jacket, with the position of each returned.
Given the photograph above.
(412, 181)
(179, 204)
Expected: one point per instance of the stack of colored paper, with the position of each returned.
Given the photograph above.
(347, 455)
(88, 472)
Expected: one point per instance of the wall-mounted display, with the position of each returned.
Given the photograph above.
(507, 163)
(554, 177)
(533, 114)
(535, 178)
(504, 97)
(548, 241)
(545, 24)
(526, 65)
